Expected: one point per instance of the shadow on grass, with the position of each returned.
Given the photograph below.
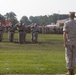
(30, 42)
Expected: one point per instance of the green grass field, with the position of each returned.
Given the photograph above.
(45, 57)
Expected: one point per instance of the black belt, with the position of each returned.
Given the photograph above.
(11, 31)
(1, 30)
(20, 30)
(35, 31)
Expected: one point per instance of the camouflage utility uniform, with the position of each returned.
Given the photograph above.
(1, 32)
(22, 33)
(11, 31)
(70, 49)
(35, 30)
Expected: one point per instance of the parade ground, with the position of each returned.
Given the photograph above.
(46, 57)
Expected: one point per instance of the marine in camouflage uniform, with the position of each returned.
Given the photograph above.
(1, 32)
(22, 32)
(69, 35)
(11, 31)
(34, 30)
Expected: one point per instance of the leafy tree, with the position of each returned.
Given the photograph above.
(1, 17)
(34, 19)
(11, 16)
(44, 20)
(25, 20)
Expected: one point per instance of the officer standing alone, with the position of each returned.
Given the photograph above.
(69, 36)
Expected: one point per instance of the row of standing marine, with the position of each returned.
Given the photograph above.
(11, 31)
(21, 32)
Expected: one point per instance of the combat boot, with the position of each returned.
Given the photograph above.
(70, 72)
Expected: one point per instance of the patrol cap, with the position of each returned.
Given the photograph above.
(72, 14)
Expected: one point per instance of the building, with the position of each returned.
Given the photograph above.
(60, 23)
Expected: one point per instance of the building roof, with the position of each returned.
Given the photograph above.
(61, 21)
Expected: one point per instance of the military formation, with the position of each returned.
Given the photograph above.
(69, 37)
(21, 27)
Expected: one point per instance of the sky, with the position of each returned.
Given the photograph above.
(37, 7)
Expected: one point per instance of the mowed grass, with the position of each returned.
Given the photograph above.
(45, 57)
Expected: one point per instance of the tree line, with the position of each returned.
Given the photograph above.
(40, 20)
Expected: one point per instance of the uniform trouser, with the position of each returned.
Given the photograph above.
(21, 37)
(35, 36)
(11, 36)
(1, 35)
(70, 56)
